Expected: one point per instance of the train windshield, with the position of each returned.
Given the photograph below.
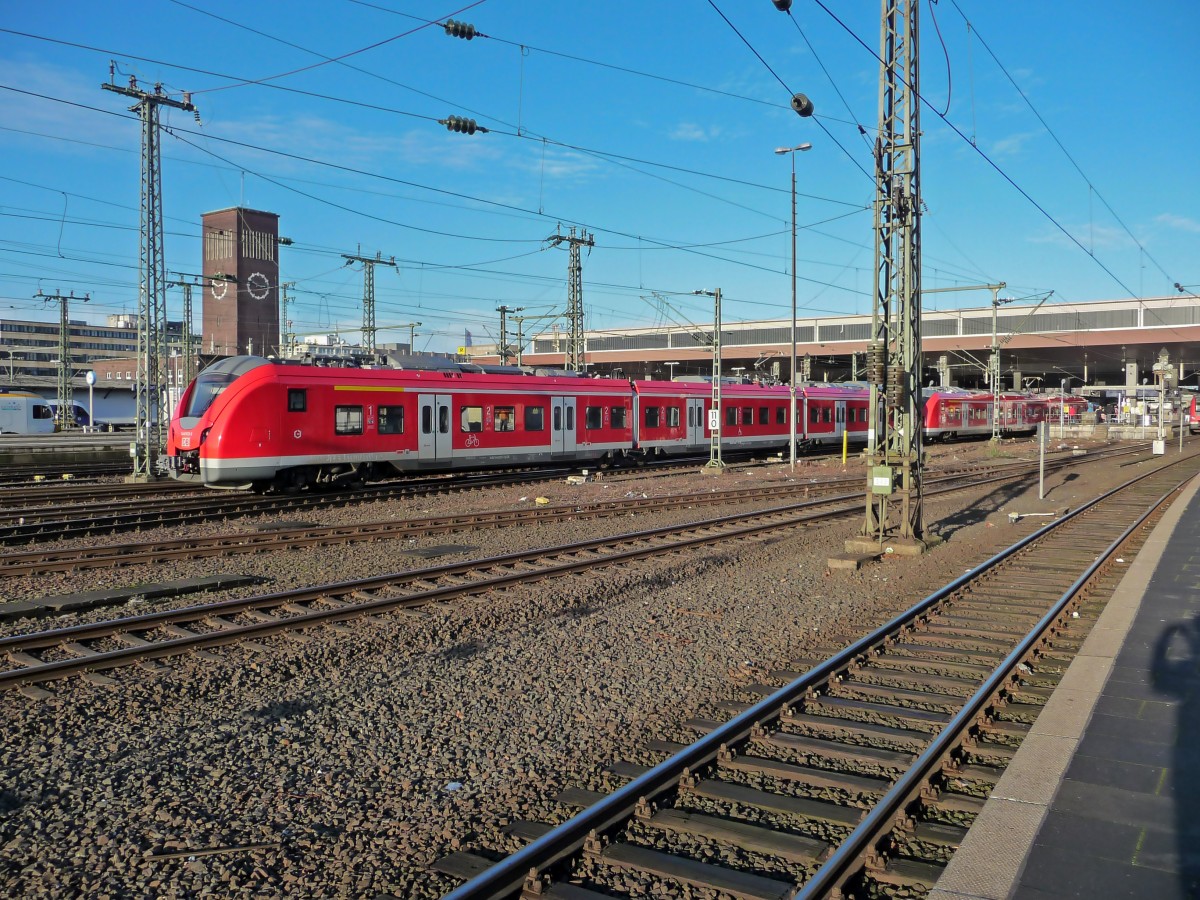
(213, 380)
(207, 388)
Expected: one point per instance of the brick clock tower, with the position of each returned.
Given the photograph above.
(241, 293)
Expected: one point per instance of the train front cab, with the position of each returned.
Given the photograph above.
(202, 409)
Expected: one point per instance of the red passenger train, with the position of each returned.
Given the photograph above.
(952, 413)
(252, 421)
(246, 420)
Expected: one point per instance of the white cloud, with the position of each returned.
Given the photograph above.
(557, 163)
(1180, 223)
(1013, 144)
(47, 116)
(1092, 237)
(689, 131)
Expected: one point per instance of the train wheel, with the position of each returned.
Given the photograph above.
(293, 482)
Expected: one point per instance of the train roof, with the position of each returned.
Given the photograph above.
(506, 377)
(25, 395)
(236, 365)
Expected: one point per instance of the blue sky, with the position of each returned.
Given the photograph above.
(651, 125)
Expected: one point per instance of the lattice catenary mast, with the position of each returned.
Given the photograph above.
(369, 263)
(894, 352)
(150, 383)
(576, 347)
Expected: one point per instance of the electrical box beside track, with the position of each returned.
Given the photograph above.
(883, 479)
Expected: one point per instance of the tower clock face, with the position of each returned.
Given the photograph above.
(258, 285)
(218, 287)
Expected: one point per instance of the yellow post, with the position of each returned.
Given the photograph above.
(845, 445)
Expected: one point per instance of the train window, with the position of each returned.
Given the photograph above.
(297, 400)
(593, 417)
(570, 418)
(207, 388)
(841, 414)
(814, 414)
(348, 420)
(764, 416)
(471, 418)
(653, 416)
(505, 419)
(535, 418)
(558, 418)
(391, 420)
(443, 419)
(618, 416)
(691, 417)
(426, 420)
(731, 415)
(42, 412)
(780, 415)
(673, 417)
(827, 415)
(747, 415)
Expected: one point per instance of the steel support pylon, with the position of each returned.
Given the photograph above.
(894, 515)
(577, 343)
(150, 384)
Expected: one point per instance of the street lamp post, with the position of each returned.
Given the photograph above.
(792, 151)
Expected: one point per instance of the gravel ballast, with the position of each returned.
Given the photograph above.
(344, 765)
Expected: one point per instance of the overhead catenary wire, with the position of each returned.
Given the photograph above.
(1054, 137)
(995, 166)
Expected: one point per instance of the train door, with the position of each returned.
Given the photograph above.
(434, 426)
(562, 425)
(695, 422)
(839, 417)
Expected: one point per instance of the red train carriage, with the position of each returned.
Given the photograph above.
(829, 411)
(673, 416)
(1193, 418)
(670, 416)
(952, 412)
(249, 420)
(1020, 413)
(756, 417)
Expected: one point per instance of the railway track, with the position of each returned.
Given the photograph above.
(27, 475)
(181, 507)
(275, 538)
(87, 650)
(856, 775)
(69, 513)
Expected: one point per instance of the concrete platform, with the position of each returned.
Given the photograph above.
(1103, 798)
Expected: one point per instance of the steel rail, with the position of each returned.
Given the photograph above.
(791, 514)
(834, 871)
(508, 875)
(34, 562)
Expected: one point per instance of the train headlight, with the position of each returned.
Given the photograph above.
(204, 436)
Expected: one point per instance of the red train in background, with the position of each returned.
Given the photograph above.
(265, 423)
(952, 413)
